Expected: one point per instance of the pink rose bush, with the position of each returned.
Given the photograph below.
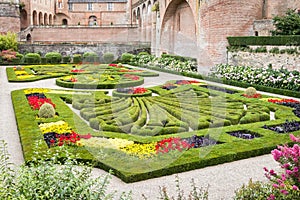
(286, 183)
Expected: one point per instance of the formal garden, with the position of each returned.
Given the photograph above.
(103, 117)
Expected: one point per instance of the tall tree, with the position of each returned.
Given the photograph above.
(288, 24)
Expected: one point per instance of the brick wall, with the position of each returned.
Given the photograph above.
(9, 17)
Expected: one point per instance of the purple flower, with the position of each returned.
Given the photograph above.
(272, 172)
(275, 185)
(271, 197)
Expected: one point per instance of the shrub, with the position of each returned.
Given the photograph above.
(274, 50)
(90, 57)
(143, 53)
(261, 50)
(250, 91)
(46, 111)
(254, 190)
(108, 57)
(8, 41)
(77, 58)
(66, 59)
(126, 57)
(45, 179)
(53, 57)
(291, 51)
(32, 58)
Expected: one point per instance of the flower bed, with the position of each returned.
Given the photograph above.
(191, 129)
(244, 134)
(287, 127)
(131, 92)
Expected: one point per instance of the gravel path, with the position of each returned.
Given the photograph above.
(222, 179)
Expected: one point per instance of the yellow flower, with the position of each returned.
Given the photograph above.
(36, 90)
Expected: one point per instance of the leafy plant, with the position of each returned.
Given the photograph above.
(274, 50)
(289, 24)
(126, 57)
(8, 41)
(254, 191)
(48, 178)
(47, 111)
(32, 58)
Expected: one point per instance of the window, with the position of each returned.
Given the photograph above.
(90, 6)
(70, 6)
(60, 4)
(109, 6)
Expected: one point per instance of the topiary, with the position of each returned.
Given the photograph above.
(108, 57)
(53, 57)
(46, 111)
(250, 91)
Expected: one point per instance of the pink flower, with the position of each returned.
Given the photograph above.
(276, 154)
(294, 139)
(275, 185)
(272, 172)
(271, 197)
(295, 187)
(285, 192)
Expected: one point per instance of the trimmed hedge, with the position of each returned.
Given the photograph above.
(77, 85)
(264, 40)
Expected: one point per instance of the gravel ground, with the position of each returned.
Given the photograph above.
(222, 179)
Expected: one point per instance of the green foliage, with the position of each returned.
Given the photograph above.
(274, 50)
(46, 111)
(143, 53)
(264, 40)
(66, 59)
(44, 178)
(291, 51)
(32, 58)
(254, 191)
(126, 57)
(261, 50)
(77, 58)
(250, 91)
(108, 57)
(53, 57)
(289, 24)
(90, 57)
(8, 41)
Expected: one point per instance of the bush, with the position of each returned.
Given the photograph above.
(254, 190)
(8, 41)
(126, 57)
(53, 57)
(250, 91)
(274, 50)
(32, 58)
(261, 50)
(291, 51)
(66, 59)
(90, 57)
(46, 111)
(264, 40)
(108, 57)
(143, 53)
(45, 179)
(77, 58)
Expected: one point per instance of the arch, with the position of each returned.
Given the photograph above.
(46, 19)
(177, 36)
(144, 11)
(54, 19)
(93, 20)
(139, 17)
(28, 38)
(41, 21)
(34, 18)
(64, 22)
(50, 20)
(134, 16)
(23, 19)
(149, 6)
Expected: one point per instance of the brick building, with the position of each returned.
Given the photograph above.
(194, 28)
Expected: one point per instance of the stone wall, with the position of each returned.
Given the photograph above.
(259, 60)
(71, 49)
(9, 17)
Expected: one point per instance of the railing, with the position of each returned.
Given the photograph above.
(84, 26)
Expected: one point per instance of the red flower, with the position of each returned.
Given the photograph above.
(252, 96)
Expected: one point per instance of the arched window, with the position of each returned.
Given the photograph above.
(65, 22)
(28, 38)
(41, 21)
(93, 20)
(34, 18)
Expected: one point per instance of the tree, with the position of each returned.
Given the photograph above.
(288, 24)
